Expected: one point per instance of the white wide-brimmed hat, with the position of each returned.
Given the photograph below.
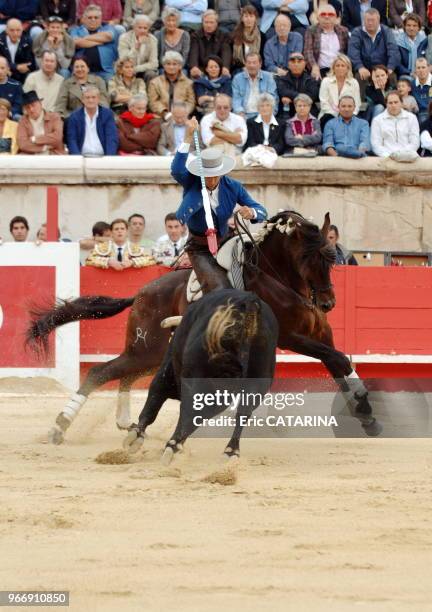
(214, 163)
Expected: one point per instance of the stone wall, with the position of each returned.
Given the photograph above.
(377, 204)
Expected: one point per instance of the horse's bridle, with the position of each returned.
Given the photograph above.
(241, 227)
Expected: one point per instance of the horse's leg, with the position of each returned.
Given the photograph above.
(114, 369)
(232, 449)
(123, 417)
(339, 366)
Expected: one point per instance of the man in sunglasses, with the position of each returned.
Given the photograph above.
(55, 39)
(324, 41)
(296, 81)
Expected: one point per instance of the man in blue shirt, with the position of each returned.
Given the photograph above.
(346, 135)
(95, 42)
(249, 84)
(224, 195)
(280, 46)
(422, 88)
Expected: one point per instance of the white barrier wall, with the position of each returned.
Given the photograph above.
(378, 204)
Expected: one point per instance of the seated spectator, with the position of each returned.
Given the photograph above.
(41, 235)
(139, 131)
(134, 8)
(141, 47)
(124, 85)
(190, 12)
(303, 131)
(8, 130)
(16, 47)
(246, 37)
(71, 90)
(395, 133)
(346, 135)
(353, 14)
(10, 89)
(211, 83)
(173, 130)
(426, 135)
(371, 45)
(317, 5)
(264, 129)
(247, 85)
(399, 10)
(324, 42)
(171, 37)
(111, 12)
(136, 224)
(208, 40)
(229, 12)
(19, 228)
(65, 9)
(96, 43)
(91, 130)
(45, 82)
(169, 246)
(279, 47)
(39, 132)
(339, 82)
(343, 256)
(26, 11)
(295, 82)
(422, 88)
(223, 128)
(412, 43)
(171, 86)
(404, 89)
(55, 39)
(118, 253)
(296, 10)
(377, 91)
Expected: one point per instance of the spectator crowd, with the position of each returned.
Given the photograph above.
(264, 77)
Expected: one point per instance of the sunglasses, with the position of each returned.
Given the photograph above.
(327, 15)
(55, 19)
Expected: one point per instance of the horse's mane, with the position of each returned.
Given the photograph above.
(314, 243)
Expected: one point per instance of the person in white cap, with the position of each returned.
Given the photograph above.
(225, 194)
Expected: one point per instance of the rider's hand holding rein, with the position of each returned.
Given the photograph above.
(246, 212)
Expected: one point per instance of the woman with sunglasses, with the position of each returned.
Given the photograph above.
(324, 41)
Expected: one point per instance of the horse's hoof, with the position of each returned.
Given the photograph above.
(167, 456)
(230, 453)
(373, 429)
(123, 425)
(133, 441)
(55, 436)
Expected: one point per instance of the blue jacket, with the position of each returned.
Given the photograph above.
(241, 89)
(365, 53)
(107, 52)
(276, 55)
(409, 53)
(24, 10)
(422, 94)
(12, 91)
(299, 8)
(351, 14)
(191, 210)
(105, 126)
(345, 137)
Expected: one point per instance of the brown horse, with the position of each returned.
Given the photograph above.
(288, 267)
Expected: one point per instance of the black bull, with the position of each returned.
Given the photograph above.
(224, 338)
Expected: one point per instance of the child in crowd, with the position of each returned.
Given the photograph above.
(404, 88)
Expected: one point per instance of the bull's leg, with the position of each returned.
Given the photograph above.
(98, 375)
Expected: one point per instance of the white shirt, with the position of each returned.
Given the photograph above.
(251, 104)
(428, 80)
(92, 145)
(266, 127)
(390, 134)
(231, 123)
(12, 48)
(329, 48)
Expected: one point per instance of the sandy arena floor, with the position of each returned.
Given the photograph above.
(318, 524)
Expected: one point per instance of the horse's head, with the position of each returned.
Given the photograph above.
(308, 255)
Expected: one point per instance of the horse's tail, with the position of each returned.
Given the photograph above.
(44, 320)
(230, 332)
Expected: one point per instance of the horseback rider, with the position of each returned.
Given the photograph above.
(224, 193)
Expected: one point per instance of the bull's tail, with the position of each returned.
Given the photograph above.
(43, 320)
(230, 332)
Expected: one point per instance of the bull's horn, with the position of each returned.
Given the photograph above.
(171, 322)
